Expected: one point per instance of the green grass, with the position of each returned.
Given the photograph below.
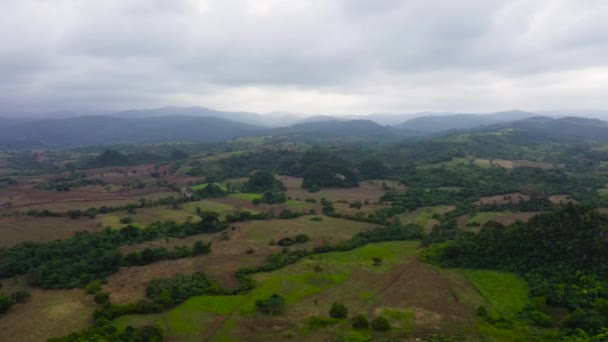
(246, 196)
(189, 318)
(204, 185)
(424, 216)
(221, 208)
(506, 292)
(450, 163)
(296, 283)
(295, 204)
(485, 216)
(484, 163)
(223, 305)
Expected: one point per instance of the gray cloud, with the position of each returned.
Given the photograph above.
(330, 56)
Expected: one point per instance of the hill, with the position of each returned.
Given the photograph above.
(440, 123)
(104, 130)
(244, 117)
(349, 128)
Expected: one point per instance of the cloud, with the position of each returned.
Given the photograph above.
(311, 56)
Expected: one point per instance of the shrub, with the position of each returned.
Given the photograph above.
(21, 296)
(126, 220)
(338, 310)
(5, 303)
(320, 321)
(360, 322)
(481, 311)
(102, 297)
(377, 261)
(381, 324)
(302, 238)
(93, 287)
(540, 318)
(273, 305)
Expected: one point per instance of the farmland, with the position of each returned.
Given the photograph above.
(268, 229)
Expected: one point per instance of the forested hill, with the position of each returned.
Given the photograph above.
(103, 130)
(441, 123)
(568, 129)
(350, 128)
(535, 130)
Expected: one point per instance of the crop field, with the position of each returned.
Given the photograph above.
(416, 298)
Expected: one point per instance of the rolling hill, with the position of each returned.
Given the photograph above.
(105, 130)
(441, 123)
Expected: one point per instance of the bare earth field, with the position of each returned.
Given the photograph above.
(367, 190)
(515, 197)
(19, 229)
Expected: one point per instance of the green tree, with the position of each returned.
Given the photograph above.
(261, 181)
(380, 323)
(338, 310)
(360, 322)
(273, 305)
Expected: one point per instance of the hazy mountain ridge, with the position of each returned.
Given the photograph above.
(439, 123)
(102, 130)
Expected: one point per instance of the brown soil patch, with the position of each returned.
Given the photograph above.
(367, 190)
(510, 164)
(561, 199)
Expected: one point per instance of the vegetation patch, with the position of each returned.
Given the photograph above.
(506, 292)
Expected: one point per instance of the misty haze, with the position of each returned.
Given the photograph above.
(281, 170)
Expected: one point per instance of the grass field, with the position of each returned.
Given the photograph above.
(424, 216)
(506, 292)
(416, 298)
(229, 317)
(49, 313)
(246, 196)
(204, 185)
(17, 229)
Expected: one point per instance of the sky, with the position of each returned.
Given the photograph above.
(303, 56)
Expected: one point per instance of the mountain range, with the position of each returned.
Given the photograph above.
(205, 125)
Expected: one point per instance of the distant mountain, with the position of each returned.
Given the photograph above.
(244, 117)
(441, 123)
(568, 129)
(321, 118)
(344, 128)
(534, 130)
(104, 130)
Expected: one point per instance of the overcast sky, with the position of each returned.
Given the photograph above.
(332, 56)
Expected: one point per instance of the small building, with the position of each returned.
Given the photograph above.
(4, 205)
